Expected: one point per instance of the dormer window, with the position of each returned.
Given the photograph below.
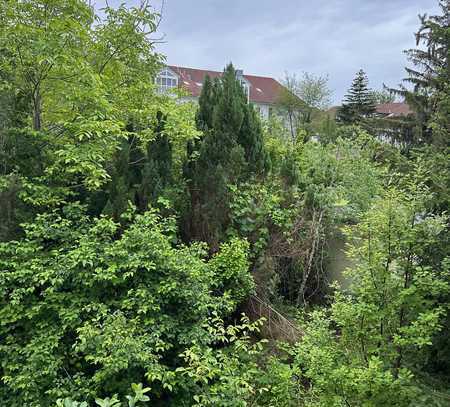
(166, 80)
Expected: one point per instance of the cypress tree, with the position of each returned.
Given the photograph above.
(219, 159)
(204, 122)
(251, 139)
(157, 170)
(138, 176)
(231, 147)
(228, 116)
(118, 190)
(194, 169)
(206, 104)
(359, 103)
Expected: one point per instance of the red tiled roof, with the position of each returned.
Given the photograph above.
(394, 109)
(262, 89)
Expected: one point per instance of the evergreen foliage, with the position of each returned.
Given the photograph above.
(250, 138)
(137, 176)
(157, 169)
(206, 104)
(231, 148)
(359, 103)
(429, 78)
(119, 191)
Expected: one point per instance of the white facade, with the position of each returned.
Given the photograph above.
(168, 80)
(264, 110)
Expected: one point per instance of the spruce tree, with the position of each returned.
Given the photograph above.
(359, 102)
(430, 77)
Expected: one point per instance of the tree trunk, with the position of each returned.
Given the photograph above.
(37, 105)
(316, 225)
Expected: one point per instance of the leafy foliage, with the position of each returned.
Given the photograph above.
(191, 248)
(391, 310)
(301, 100)
(77, 302)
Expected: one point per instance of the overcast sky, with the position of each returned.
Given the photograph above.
(270, 37)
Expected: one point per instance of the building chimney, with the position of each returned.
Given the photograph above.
(239, 72)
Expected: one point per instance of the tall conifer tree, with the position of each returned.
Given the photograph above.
(119, 190)
(251, 139)
(359, 103)
(157, 171)
(231, 148)
(206, 103)
(430, 77)
(139, 175)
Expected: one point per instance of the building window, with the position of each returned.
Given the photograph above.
(261, 111)
(166, 80)
(245, 87)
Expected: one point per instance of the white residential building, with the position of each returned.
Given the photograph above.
(262, 92)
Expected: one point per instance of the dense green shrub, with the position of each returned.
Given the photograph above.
(88, 307)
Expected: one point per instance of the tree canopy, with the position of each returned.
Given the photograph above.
(359, 102)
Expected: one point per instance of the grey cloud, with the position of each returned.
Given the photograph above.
(269, 37)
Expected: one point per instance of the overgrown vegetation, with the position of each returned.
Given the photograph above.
(172, 254)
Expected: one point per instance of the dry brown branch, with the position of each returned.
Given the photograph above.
(276, 325)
